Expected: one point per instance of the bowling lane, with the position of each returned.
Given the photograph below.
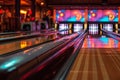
(14, 34)
(100, 42)
(18, 61)
(26, 43)
(20, 34)
(99, 59)
(11, 62)
(12, 46)
(8, 35)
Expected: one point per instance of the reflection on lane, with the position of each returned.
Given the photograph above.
(9, 47)
(25, 33)
(100, 42)
(10, 35)
(11, 62)
(17, 34)
(66, 32)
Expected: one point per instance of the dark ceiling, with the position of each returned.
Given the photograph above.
(66, 2)
(83, 2)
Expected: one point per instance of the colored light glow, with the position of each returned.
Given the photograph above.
(108, 12)
(1, 11)
(61, 14)
(70, 31)
(13, 68)
(59, 11)
(9, 64)
(75, 12)
(23, 11)
(85, 26)
(29, 12)
(93, 14)
(55, 26)
(42, 3)
(116, 26)
(91, 11)
(23, 44)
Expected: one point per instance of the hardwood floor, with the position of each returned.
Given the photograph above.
(96, 64)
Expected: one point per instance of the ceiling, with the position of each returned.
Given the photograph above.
(83, 2)
(66, 2)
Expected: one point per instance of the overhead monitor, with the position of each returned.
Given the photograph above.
(70, 15)
(103, 15)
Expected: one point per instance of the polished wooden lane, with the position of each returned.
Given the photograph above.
(96, 63)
